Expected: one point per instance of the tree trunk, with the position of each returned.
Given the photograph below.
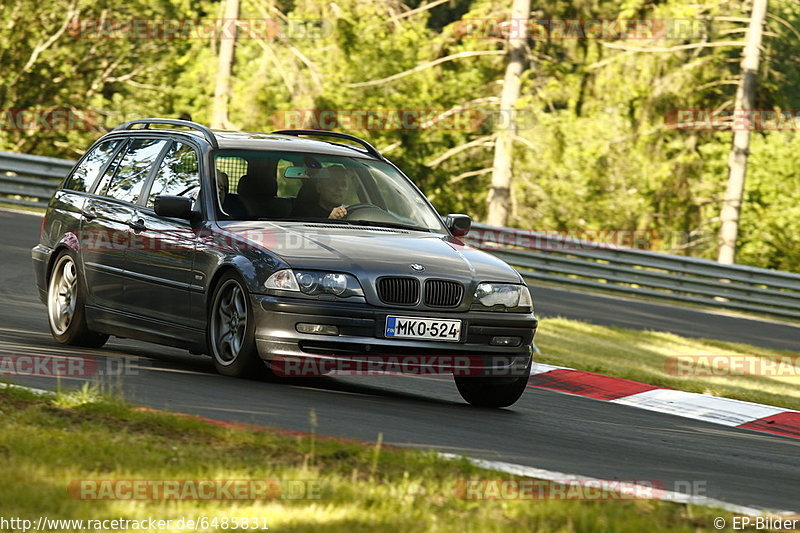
(222, 90)
(737, 160)
(500, 193)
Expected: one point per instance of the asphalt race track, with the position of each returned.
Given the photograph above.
(544, 429)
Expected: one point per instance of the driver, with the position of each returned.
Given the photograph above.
(331, 186)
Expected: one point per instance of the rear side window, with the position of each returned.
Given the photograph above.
(85, 173)
(178, 174)
(234, 168)
(134, 168)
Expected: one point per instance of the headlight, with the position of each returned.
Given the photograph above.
(506, 295)
(312, 283)
(334, 283)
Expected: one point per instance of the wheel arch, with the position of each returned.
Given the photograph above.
(68, 242)
(51, 262)
(215, 279)
(252, 270)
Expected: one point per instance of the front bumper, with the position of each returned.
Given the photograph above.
(361, 337)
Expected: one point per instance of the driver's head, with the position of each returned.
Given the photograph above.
(331, 183)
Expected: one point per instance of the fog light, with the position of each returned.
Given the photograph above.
(317, 329)
(505, 341)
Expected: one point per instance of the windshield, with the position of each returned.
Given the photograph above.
(259, 185)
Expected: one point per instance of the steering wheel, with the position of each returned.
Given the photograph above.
(359, 207)
(371, 213)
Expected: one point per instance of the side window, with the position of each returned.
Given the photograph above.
(178, 174)
(102, 183)
(132, 171)
(234, 168)
(87, 171)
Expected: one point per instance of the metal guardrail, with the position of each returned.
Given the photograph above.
(30, 181)
(569, 261)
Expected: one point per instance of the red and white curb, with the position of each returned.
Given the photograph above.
(723, 411)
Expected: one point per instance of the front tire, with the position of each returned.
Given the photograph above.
(231, 327)
(65, 306)
(492, 391)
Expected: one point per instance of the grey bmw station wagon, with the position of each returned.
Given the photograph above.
(267, 250)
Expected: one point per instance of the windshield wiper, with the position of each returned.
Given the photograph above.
(387, 225)
(309, 220)
(346, 222)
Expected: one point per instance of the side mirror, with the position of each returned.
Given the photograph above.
(458, 224)
(174, 207)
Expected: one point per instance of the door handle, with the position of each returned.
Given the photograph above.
(137, 224)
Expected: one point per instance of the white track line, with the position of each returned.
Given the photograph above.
(29, 389)
(574, 479)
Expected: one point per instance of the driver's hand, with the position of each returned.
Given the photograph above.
(338, 212)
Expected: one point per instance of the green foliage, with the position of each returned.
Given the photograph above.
(54, 57)
(595, 146)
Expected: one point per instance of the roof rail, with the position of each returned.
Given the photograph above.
(207, 133)
(325, 133)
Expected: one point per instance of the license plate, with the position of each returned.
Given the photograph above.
(434, 329)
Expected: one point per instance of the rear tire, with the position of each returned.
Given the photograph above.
(492, 391)
(65, 306)
(231, 330)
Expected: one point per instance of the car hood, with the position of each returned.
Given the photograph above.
(372, 250)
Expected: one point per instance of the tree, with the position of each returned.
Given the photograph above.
(500, 193)
(737, 160)
(83, 62)
(222, 91)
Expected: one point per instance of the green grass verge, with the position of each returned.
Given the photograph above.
(642, 356)
(46, 442)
